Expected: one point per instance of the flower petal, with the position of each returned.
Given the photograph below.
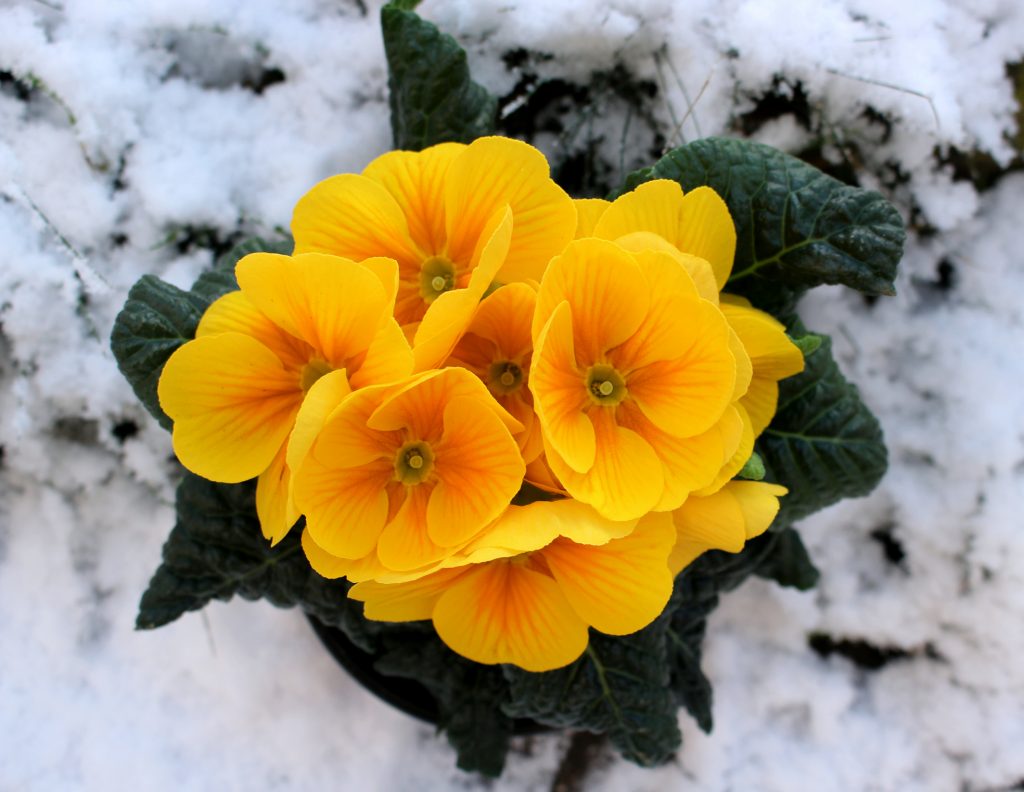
(333, 304)
(403, 602)
(405, 543)
(627, 478)
(708, 231)
(505, 612)
(688, 463)
(321, 399)
(232, 403)
(606, 290)
(698, 222)
(759, 502)
(418, 404)
(588, 212)
(772, 354)
(490, 173)
(274, 507)
(354, 217)
(739, 458)
(479, 469)
(622, 586)
(560, 395)
(235, 313)
(521, 529)
(416, 179)
(760, 401)
(345, 508)
(323, 563)
(450, 314)
(389, 357)
(686, 395)
(715, 521)
(699, 270)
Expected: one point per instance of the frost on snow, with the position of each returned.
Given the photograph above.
(145, 137)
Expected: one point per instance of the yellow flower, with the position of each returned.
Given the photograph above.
(497, 348)
(697, 230)
(724, 520)
(311, 324)
(633, 378)
(530, 587)
(405, 474)
(454, 217)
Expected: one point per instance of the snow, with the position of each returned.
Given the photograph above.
(141, 128)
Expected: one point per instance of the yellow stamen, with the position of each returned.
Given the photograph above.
(606, 388)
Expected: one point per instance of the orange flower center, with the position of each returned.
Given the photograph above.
(605, 385)
(414, 462)
(505, 377)
(437, 275)
(313, 371)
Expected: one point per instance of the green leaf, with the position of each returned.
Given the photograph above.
(433, 100)
(789, 563)
(823, 444)
(617, 687)
(796, 227)
(469, 696)
(156, 319)
(216, 550)
(685, 636)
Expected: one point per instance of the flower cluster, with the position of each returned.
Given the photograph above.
(510, 412)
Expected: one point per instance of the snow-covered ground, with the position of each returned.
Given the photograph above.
(136, 135)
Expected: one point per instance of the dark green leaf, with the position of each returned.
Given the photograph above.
(617, 687)
(685, 636)
(788, 563)
(823, 443)
(156, 319)
(216, 550)
(796, 227)
(470, 697)
(433, 100)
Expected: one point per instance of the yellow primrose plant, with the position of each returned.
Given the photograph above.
(506, 447)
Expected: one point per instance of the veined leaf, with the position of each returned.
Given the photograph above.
(432, 97)
(824, 444)
(216, 550)
(796, 227)
(789, 563)
(157, 318)
(617, 687)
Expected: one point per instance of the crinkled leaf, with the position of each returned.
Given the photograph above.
(789, 563)
(796, 227)
(216, 550)
(157, 318)
(685, 637)
(469, 696)
(433, 99)
(694, 597)
(824, 444)
(616, 687)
